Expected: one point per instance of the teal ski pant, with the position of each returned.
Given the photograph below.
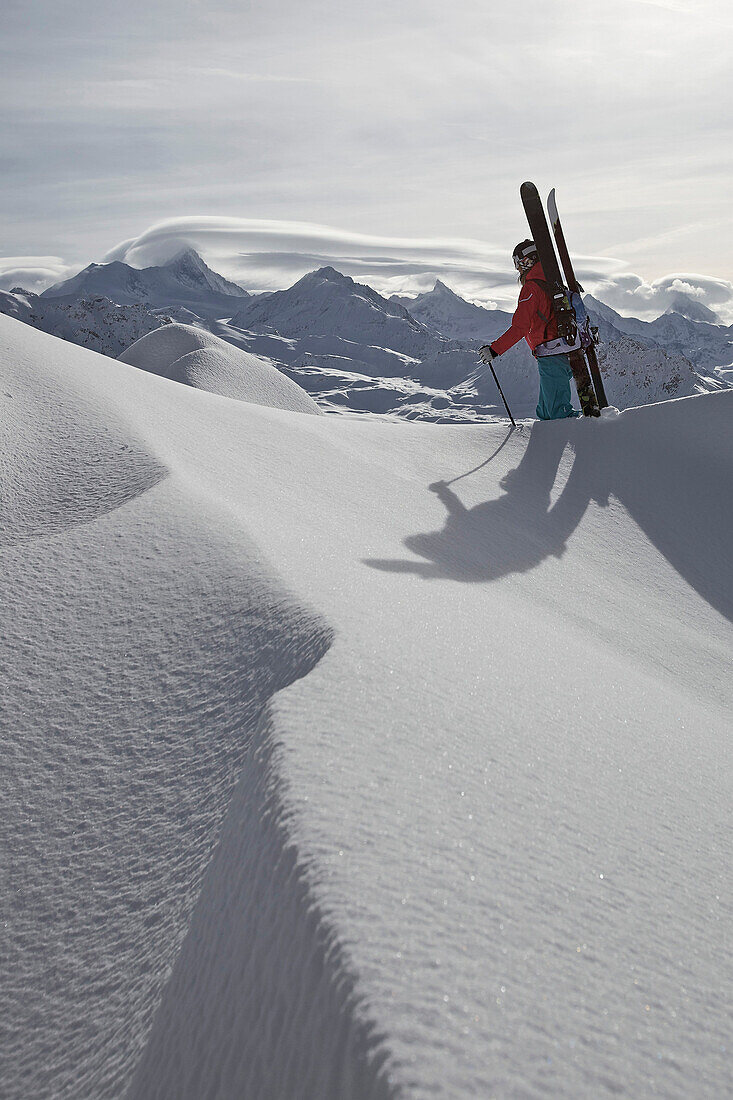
(555, 374)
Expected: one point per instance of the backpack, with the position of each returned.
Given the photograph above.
(564, 308)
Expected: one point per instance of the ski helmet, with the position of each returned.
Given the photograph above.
(525, 256)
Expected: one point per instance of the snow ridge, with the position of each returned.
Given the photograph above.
(302, 1019)
(121, 774)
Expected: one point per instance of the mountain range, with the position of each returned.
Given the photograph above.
(352, 348)
(707, 345)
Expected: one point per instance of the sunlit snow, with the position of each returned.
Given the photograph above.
(351, 757)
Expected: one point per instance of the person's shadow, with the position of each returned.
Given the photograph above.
(667, 469)
(512, 533)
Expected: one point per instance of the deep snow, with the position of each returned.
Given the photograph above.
(197, 358)
(354, 758)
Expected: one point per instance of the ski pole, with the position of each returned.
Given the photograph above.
(502, 394)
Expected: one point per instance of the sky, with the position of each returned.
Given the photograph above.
(387, 123)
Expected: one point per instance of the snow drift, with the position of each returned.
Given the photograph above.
(143, 636)
(353, 758)
(196, 358)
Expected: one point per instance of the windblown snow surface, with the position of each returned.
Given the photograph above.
(349, 757)
(196, 358)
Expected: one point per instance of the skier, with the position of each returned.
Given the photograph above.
(534, 320)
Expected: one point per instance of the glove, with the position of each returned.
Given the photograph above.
(487, 353)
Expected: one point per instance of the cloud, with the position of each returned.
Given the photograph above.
(396, 121)
(32, 272)
(265, 255)
(268, 255)
(670, 5)
(630, 294)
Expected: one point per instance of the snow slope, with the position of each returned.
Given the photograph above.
(355, 758)
(196, 358)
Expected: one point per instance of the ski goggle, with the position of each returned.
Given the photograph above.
(525, 259)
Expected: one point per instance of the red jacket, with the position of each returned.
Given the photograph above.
(534, 318)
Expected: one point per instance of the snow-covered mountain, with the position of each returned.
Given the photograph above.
(352, 348)
(328, 323)
(326, 303)
(444, 311)
(680, 348)
(95, 323)
(353, 759)
(186, 281)
(707, 346)
(641, 362)
(633, 374)
(692, 310)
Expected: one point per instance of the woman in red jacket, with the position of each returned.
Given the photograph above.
(534, 321)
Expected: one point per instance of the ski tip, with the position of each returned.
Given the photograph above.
(552, 206)
(529, 194)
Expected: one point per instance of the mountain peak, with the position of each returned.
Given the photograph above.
(185, 280)
(337, 282)
(331, 275)
(190, 268)
(187, 256)
(692, 309)
(328, 303)
(441, 288)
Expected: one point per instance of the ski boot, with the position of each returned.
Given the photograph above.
(588, 401)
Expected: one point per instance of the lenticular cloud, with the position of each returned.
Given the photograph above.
(269, 255)
(265, 255)
(32, 272)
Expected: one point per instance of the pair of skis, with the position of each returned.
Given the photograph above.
(548, 258)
